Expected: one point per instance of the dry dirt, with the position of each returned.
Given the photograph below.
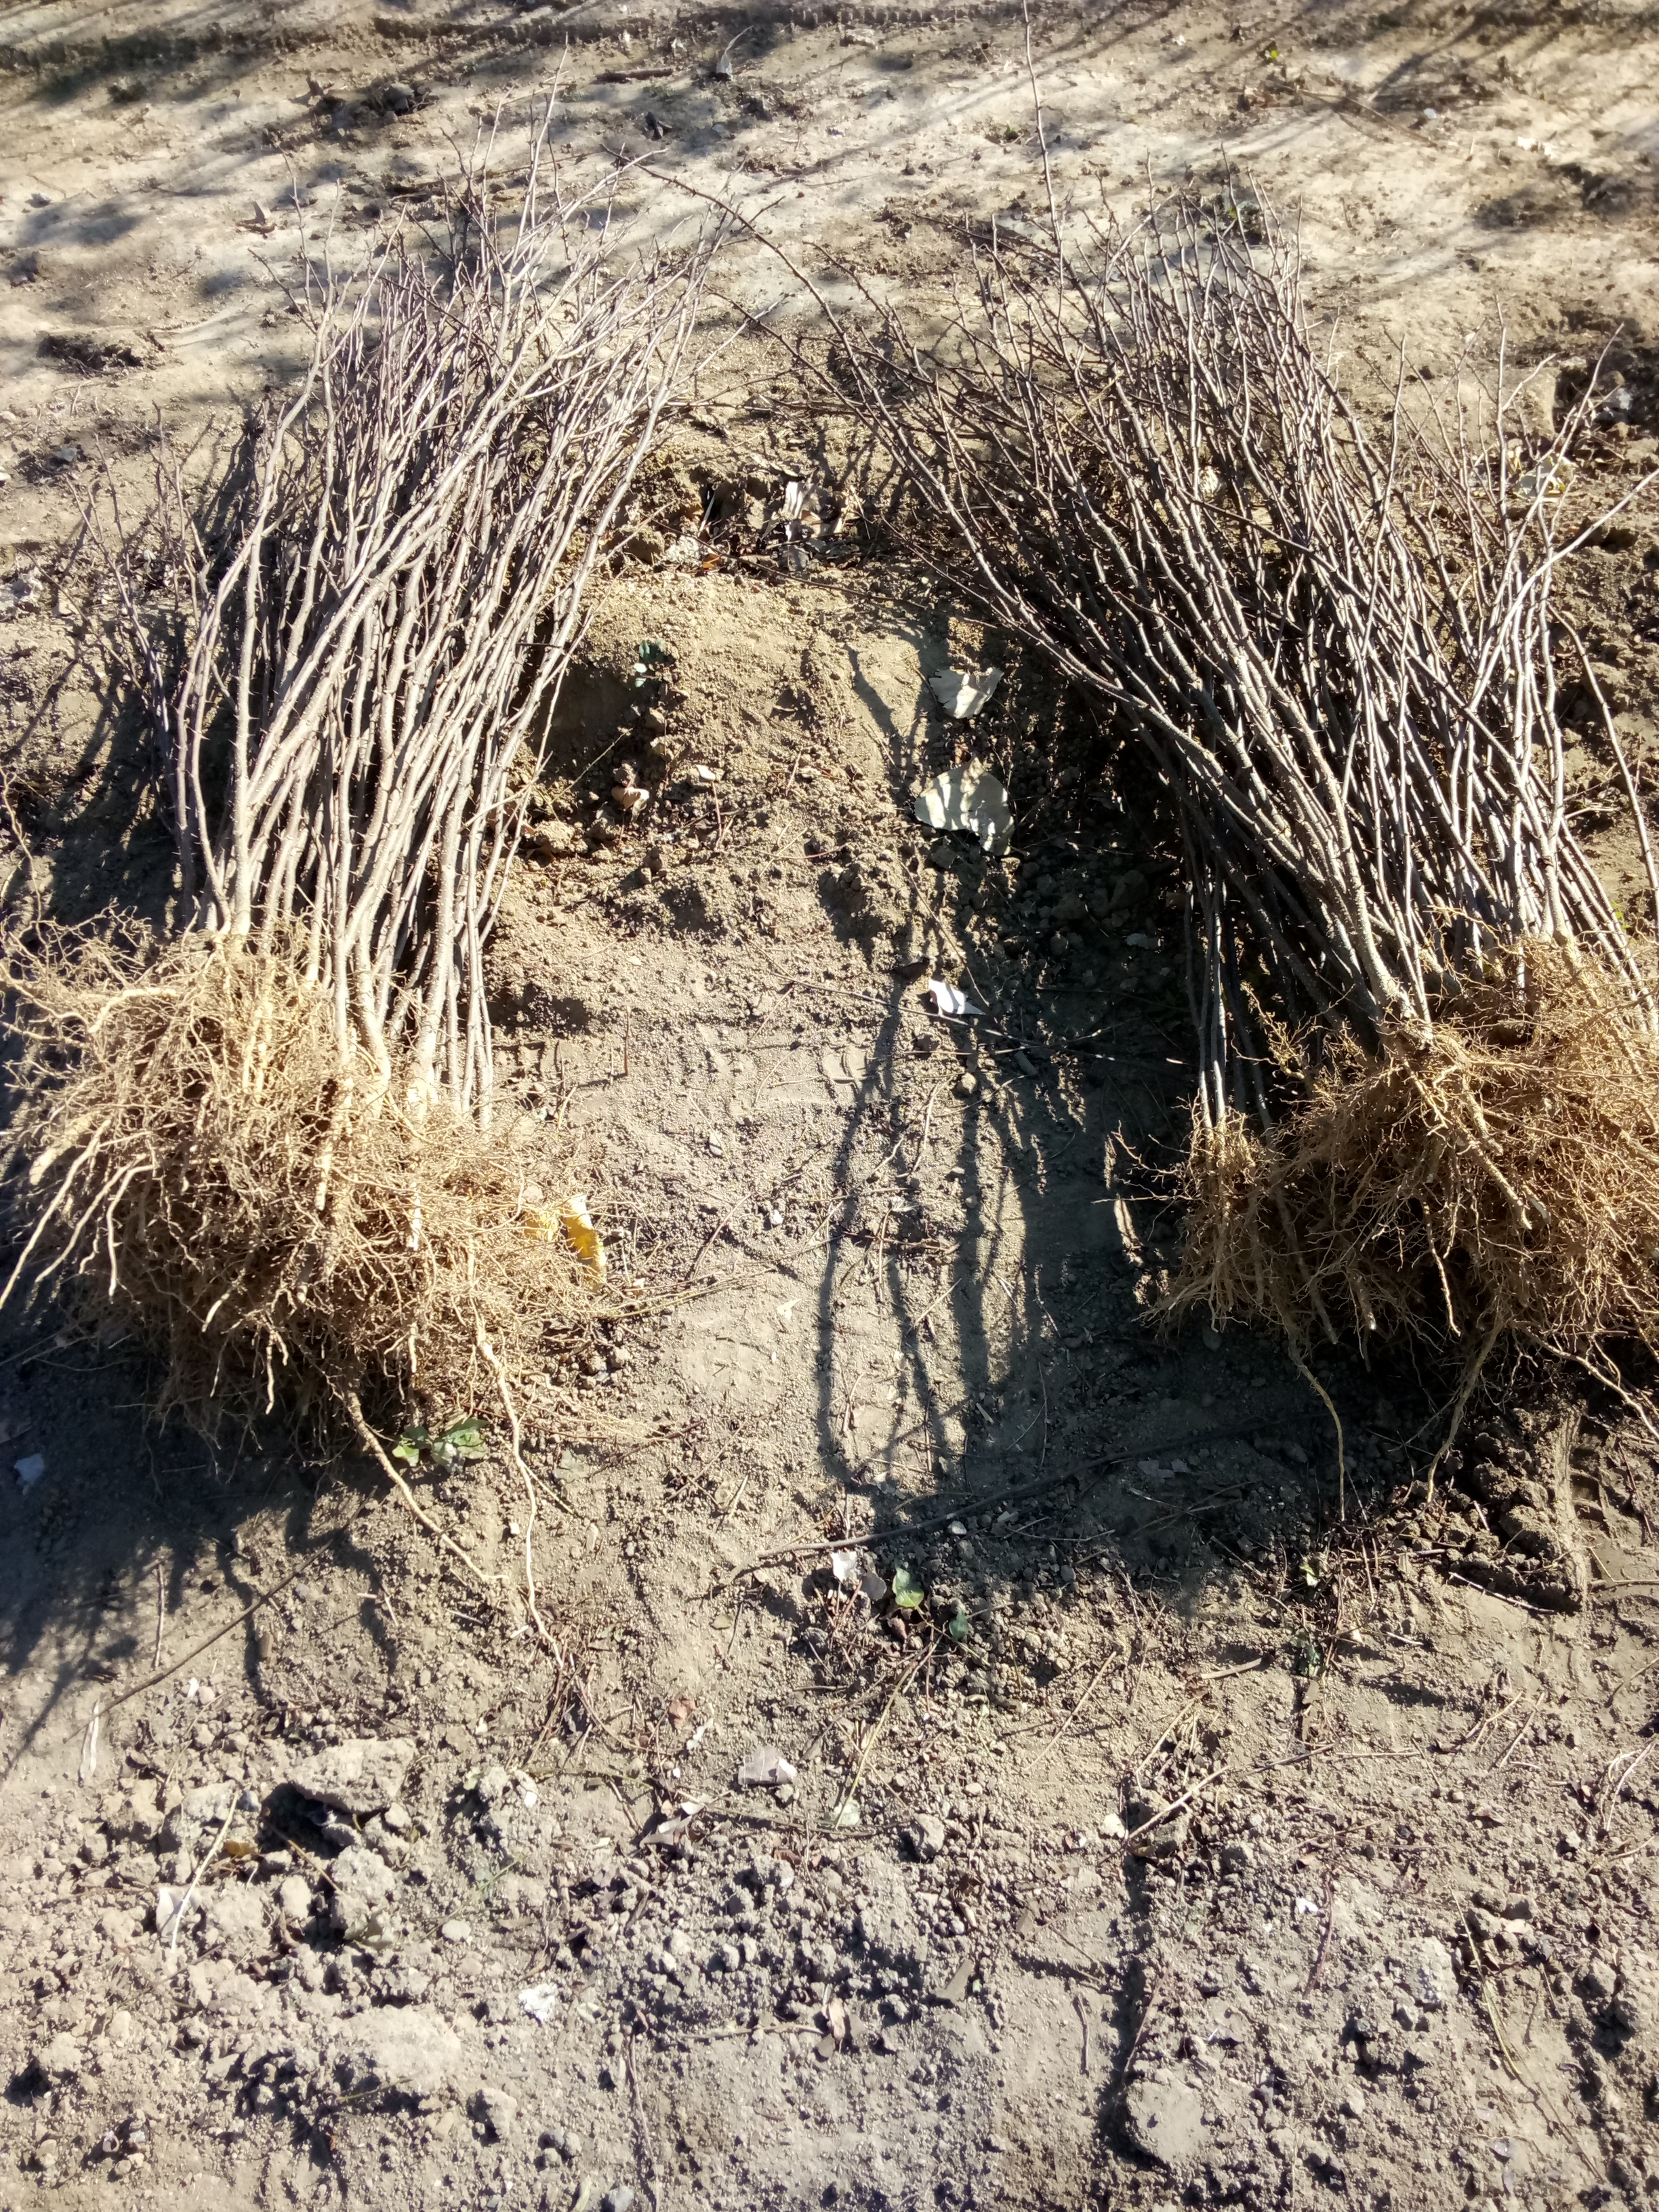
(1219, 1827)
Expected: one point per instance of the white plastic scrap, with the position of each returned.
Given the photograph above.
(945, 999)
(540, 2000)
(764, 1768)
(961, 693)
(969, 796)
(844, 1565)
(30, 1470)
(673, 1831)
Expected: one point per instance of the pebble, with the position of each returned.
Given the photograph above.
(497, 2110)
(619, 2199)
(361, 1776)
(967, 1083)
(60, 2061)
(455, 1931)
(926, 1836)
(407, 2047)
(294, 1896)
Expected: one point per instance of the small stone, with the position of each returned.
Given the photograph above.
(233, 1910)
(1353, 2104)
(403, 2047)
(359, 1778)
(1435, 1980)
(497, 2110)
(619, 2199)
(396, 1820)
(967, 1083)
(362, 1884)
(1165, 2120)
(493, 1782)
(926, 1836)
(1598, 1981)
(455, 1931)
(60, 2061)
(294, 1896)
(1236, 1857)
(1518, 1908)
(398, 99)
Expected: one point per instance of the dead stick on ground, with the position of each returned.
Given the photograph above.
(1185, 1798)
(986, 1499)
(505, 1395)
(366, 1435)
(641, 2128)
(196, 1649)
(183, 1906)
(1318, 1966)
(850, 1793)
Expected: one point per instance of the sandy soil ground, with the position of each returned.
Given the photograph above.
(1215, 1829)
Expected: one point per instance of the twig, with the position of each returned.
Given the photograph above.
(849, 1795)
(366, 1435)
(183, 1906)
(984, 1499)
(642, 2126)
(1185, 1798)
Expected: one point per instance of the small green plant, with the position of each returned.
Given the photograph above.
(462, 1440)
(651, 662)
(907, 1591)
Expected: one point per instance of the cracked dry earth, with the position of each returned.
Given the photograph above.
(1211, 1824)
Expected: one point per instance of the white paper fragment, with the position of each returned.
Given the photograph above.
(30, 1470)
(89, 1768)
(670, 1831)
(945, 999)
(764, 1768)
(844, 1565)
(961, 693)
(1304, 1906)
(794, 500)
(540, 2000)
(971, 796)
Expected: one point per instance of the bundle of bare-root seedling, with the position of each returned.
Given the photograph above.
(1428, 1054)
(268, 1145)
